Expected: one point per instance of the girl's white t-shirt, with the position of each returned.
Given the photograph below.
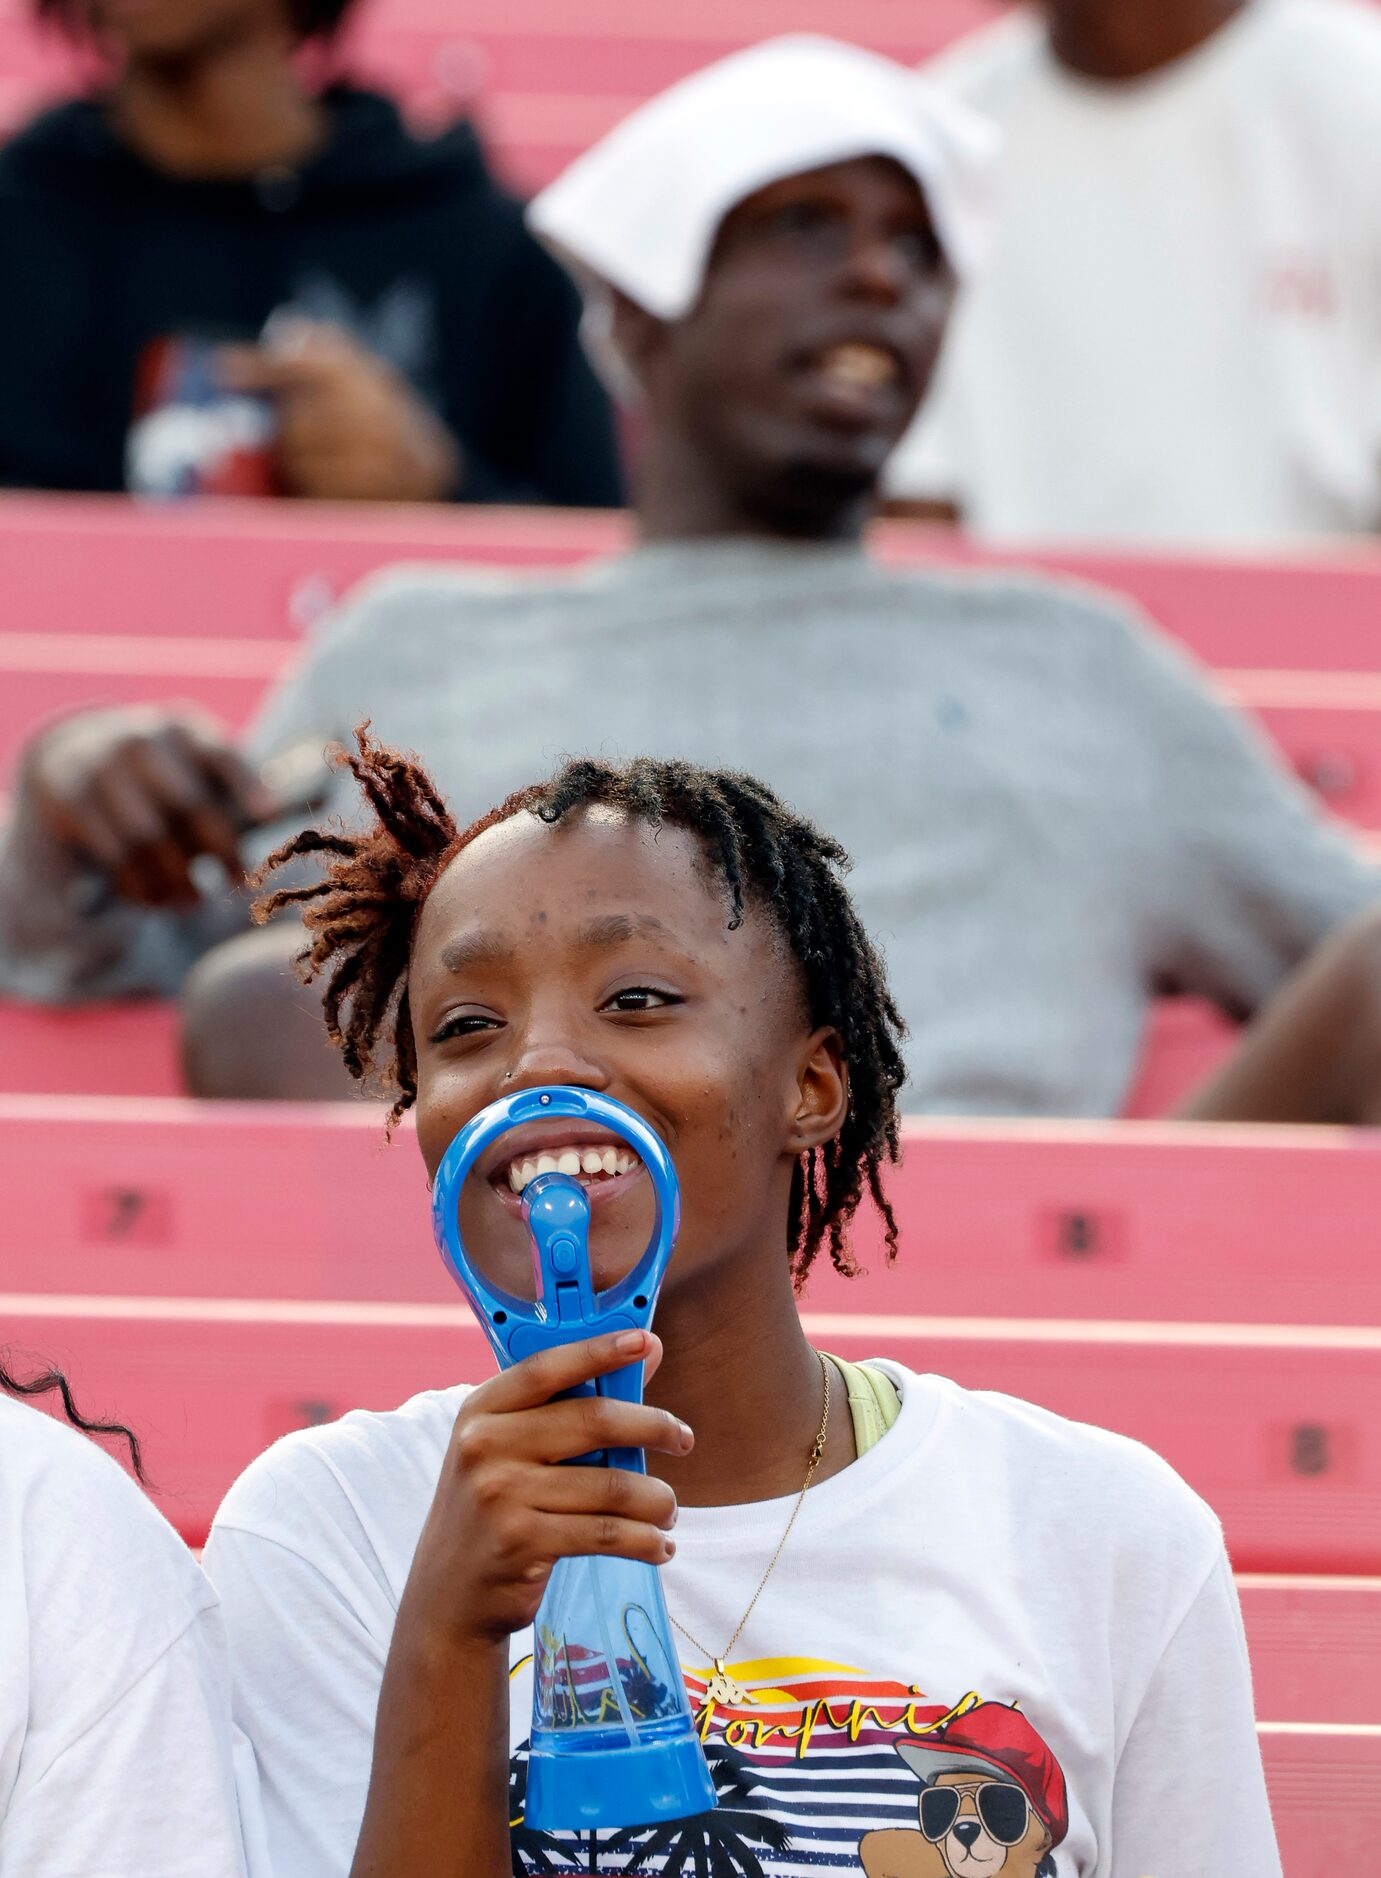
(989, 1588)
(115, 1731)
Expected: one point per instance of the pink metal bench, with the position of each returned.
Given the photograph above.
(1114, 1222)
(261, 569)
(1276, 1434)
(543, 86)
(1210, 1292)
(1326, 1796)
(1186, 1040)
(97, 1050)
(1316, 1648)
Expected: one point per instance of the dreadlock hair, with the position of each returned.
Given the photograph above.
(361, 918)
(51, 1380)
(311, 19)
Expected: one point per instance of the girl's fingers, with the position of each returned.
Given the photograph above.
(606, 1490)
(552, 1372)
(596, 1535)
(562, 1431)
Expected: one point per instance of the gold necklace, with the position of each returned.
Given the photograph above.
(721, 1687)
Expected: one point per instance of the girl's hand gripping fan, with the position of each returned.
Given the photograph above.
(612, 1739)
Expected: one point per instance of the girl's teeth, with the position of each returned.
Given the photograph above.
(573, 1162)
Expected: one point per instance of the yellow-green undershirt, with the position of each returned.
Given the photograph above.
(873, 1402)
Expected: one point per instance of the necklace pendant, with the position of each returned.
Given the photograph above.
(722, 1689)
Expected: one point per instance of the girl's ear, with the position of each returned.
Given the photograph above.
(821, 1092)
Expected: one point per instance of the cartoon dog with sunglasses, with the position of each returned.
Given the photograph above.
(992, 1801)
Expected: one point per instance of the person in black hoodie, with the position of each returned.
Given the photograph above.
(415, 341)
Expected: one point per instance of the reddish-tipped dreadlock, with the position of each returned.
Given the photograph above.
(361, 918)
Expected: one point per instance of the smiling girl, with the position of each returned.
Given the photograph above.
(925, 1631)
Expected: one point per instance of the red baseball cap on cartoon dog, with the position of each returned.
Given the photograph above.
(999, 1740)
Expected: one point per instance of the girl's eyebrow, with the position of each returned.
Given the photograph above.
(614, 929)
(598, 935)
(479, 948)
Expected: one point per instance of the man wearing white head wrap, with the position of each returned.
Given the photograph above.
(640, 211)
(1051, 814)
(642, 219)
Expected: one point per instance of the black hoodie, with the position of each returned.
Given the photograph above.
(409, 243)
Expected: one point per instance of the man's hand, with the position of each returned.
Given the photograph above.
(139, 792)
(349, 428)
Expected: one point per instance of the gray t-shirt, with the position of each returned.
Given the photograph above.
(1052, 817)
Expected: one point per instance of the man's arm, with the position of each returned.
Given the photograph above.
(112, 811)
(103, 888)
(1314, 1053)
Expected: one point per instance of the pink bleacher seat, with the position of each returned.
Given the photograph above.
(1212, 1292)
(1278, 1437)
(1186, 1040)
(1328, 725)
(98, 1050)
(1145, 1224)
(1316, 1648)
(244, 569)
(542, 86)
(1325, 1789)
(900, 23)
(1297, 612)
(30, 698)
(94, 564)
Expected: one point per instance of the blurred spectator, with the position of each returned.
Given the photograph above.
(402, 336)
(1177, 337)
(1053, 816)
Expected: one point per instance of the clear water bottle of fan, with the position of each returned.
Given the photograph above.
(609, 1709)
(613, 1743)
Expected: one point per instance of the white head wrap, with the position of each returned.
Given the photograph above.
(641, 210)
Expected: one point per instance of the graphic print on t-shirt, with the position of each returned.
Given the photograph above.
(822, 1768)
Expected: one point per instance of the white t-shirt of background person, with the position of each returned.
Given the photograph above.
(115, 1731)
(1177, 335)
(984, 1552)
